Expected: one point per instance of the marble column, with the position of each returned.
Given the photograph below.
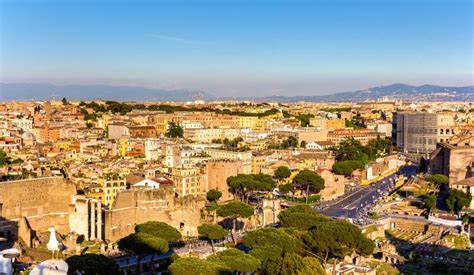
(92, 221)
(99, 220)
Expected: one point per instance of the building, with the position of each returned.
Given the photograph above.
(446, 125)
(467, 186)
(333, 184)
(244, 156)
(216, 173)
(329, 124)
(188, 181)
(415, 132)
(111, 184)
(117, 130)
(362, 135)
(152, 149)
(142, 131)
(454, 161)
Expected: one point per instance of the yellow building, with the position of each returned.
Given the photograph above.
(329, 124)
(333, 124)
(112, 184)
(252, 122)
(162, 121)
(122, 146)
(188, 181)
(258, 162)
(106, 188)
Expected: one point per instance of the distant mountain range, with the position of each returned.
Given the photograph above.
(29, 91)
(394, 91)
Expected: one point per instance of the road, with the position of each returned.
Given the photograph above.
(357, 205)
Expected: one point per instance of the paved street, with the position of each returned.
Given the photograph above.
(357, 205)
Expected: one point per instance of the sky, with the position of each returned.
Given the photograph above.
(238, 48)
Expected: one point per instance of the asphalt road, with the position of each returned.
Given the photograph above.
(357, 205)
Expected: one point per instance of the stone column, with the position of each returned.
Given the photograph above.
(99, 220)
(92, 220)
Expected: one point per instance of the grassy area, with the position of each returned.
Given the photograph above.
(459, 241)
(370, 229)
(311, 199)
(402, 235)
(386, 269)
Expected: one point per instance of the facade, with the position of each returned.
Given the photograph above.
(329, 124)
(467, 186)
(216, 174)
(415, 132)
(142, 131)
(117, 130)
(333, 184)
(456, 162)
(188, 181)
(152, 149)
(362, 135)
(245, 157)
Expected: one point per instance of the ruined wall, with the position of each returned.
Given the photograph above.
(133, 207)
(217, 172)
(455, 162)
(44, 202)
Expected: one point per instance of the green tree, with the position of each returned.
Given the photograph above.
(347, 167)
(4, 159)
(292, 263)
(457, 200)
(92, 264)
(242, 184)
(304, 119)
(430, 202)
(286, 188)
(235, 210)
(141, 244)
(270, 245)
(282, 172)
(301, 217)
(213, 232)
(235, 260)
(437, 180)
(336, 239)
(423, 167)
(196, 266)
(174, 131)
(303, 144)
(213, 195)
(64, 101)
(159, 230)
(310, 181)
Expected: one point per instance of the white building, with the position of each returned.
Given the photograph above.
(152, 149)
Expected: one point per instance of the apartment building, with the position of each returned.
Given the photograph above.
(244, 156)
(415, 132)
(362, 135)
(188, 181)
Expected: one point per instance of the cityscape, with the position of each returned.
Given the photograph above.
(225, 145)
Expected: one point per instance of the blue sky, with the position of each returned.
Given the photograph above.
(238, 47)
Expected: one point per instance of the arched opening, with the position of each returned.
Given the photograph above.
(9, 235)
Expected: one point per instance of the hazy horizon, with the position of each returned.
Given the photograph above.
(239, 48)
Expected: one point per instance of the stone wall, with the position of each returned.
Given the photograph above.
(133, 207)
(44, 202)
(217, 172)
(456, 162)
